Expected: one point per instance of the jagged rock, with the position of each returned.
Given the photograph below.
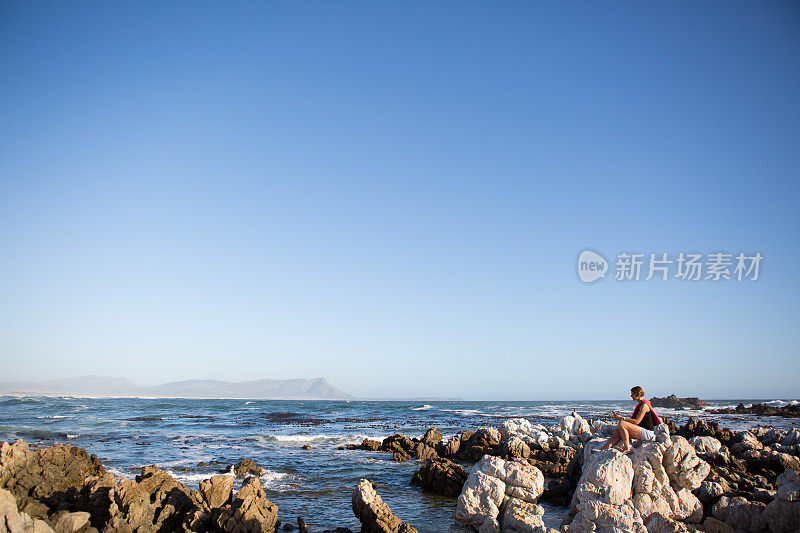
(479, 502)
(557, 462)
(684, 467)
(12, 520)
(217, 490)
(783, 513)
(374, 515)
(658, 523)
(792, 437)
(441, 476)
(705, 444)
(247, 467)
(42, 479)
(450, 449)
(673, 402)
(73, 523)
(515, 448)
(250, 511)
(601, 516)
(482, 442)
(370, 445)
(432, 437)
(740, 514)
(493, 482)
(710, 491)
(534, 436)
(520, 516)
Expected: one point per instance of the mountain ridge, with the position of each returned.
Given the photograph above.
(121, 387)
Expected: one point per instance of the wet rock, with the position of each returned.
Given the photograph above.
(441, 476)
(485, 441)
(247, 467)
(432, 437)
(374, 515)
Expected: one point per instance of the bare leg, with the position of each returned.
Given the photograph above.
(612, 441)
(629, 431)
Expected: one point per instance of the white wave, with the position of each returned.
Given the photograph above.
(120, 473)
(423, 408)
(247, 403)
(467, 412)
(184, 477)
(71, 436)
(53, 416)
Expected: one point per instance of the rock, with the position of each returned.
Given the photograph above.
(673, 402)
(46, 475)
(306, 446)
(600, 516)
(72, 522)
(522, 516)
(432, 437)
(709, 491)
(250, 511)
(492, 483)
(479, 503)
(515, 448)
(533, 435)
(705, 444)
(247, 467)
(370, 445)
(761, 409)
(658, 523)
(450, 449)
(740, 514)
(607, 477)
(441, 476)
(482, 442)
(13, 521)
(684, 468)
(217, 490)
(783, 513)
(689, 509)
(374, 515)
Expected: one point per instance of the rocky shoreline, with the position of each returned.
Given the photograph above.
(696, 477)
(761, 409)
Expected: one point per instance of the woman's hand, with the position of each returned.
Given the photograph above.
(617, 416)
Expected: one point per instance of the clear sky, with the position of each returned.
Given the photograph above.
(393, 195)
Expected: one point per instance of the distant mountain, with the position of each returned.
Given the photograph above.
(263, 389)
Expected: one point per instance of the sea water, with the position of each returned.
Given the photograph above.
(180, 434)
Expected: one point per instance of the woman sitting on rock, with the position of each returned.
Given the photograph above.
(639, 426)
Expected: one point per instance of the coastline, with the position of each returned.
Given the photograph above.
(557, 452)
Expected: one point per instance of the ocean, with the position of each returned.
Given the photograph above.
(179, 434)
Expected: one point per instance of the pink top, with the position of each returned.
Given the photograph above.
(656, 419)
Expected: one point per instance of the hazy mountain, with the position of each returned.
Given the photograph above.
(267, 389)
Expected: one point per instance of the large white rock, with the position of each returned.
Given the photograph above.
(607, 477)
(13, 521)
(685, 469)
(705, 444)
(493, 489)
(600, 516)
(533, 435)
(480, 500)
(520, 516)
(783, 513)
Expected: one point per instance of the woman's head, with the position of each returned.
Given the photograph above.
(637, 393)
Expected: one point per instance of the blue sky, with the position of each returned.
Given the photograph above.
(394, 195)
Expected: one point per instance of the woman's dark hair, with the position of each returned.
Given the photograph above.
(637, 391)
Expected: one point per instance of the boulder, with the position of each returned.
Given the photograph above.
(494, 487)
(705, 444)
(247, 467)
(432, 437)
(684, 467)
(520, 516)
(740, 514)
(374, 515)
(217, 490)
(783, 513)
(12, 520)
(250, 511)
(441, 476)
